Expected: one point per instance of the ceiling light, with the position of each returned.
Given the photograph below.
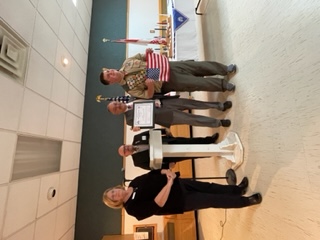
(65, 61)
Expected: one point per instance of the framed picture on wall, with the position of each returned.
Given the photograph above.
(151, 229)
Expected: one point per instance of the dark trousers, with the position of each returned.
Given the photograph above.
(179, 117)
(201, 195)
(195, 140)
(188, 76)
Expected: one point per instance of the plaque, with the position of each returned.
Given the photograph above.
(143, 114)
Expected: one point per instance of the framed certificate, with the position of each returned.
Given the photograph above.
(149, 230)
(143, 114)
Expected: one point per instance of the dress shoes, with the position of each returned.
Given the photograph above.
(230, 87)
(232, 69)
(244, 185)
(255, 199)
(214, 137)
(225, 123)
(227, 105)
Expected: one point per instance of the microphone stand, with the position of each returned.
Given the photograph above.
(230, 177)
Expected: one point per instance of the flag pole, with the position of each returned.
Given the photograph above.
(124, 99)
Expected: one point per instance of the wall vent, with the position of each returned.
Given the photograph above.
(13, 53)
(36, 156)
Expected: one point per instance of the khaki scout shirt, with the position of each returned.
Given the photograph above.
(132, 66)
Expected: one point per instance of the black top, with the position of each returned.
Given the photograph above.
(146, 187)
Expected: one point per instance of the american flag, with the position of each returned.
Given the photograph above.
(157, 67)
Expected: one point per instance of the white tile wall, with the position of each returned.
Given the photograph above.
(68, 186)
(79, 54)
(26, 234)
(43, 106)
(3, 198)
(50, 10)
(73, 128)
(63, 222)
(69, 235)
(45, 205)
(45, 40)
(45, 227)
(60, 88)
(34, 2)
(66, 33)
(75, 101)
(82, 9)
(62, 53)
(70, 156)
(78, 78)
(60, 2)
(56, 121)
(84, 14)
(73, 209)
(87, 22)
(81, 32)
(88, 4)
(34, 115)
(22, 202)
(70, 12)
(40, 74)
(7, 148)
(20, 15)
(11, 95)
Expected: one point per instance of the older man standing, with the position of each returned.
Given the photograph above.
(139, 150)
(170, 111)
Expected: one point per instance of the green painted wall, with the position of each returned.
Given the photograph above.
(100, 165)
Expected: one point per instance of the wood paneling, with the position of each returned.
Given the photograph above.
(118, 237)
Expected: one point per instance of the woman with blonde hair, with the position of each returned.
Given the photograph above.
(160, 192)
(113, 204)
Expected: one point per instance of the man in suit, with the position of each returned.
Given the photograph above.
(170, 111)
(184, 76)
(139, 150)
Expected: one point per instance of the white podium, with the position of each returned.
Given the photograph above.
(230, 148)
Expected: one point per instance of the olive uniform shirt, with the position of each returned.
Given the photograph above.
(135, 76)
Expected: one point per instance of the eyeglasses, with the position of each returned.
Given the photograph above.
(124, 149)
(112, 195)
